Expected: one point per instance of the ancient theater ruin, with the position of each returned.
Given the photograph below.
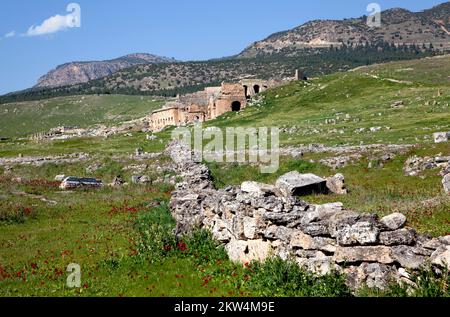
(210, 103)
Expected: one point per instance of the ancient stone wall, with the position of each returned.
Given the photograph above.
(255, 221)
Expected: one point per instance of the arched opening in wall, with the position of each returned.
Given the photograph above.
(196, 118)
(257, 89)
(236, 106)
(246, 92)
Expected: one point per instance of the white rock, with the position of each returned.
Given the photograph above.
(446, 183)
(441, 137)
(257, 189)
(441, 257)
(294, 183)
(394, 221)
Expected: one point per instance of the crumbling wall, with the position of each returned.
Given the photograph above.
(256, 221)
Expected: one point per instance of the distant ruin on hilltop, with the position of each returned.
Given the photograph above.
(212, 102)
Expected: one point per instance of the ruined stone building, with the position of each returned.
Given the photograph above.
(208, 104)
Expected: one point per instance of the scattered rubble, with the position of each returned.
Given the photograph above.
(39, 160)
(414, 165)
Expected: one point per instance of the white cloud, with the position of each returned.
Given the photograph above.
(10, 34)
(51, 25)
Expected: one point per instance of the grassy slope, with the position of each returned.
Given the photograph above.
(366, 99)
(426, 97)
(24, 118)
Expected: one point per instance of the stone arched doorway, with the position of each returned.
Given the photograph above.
(236, 106)
(256, 89)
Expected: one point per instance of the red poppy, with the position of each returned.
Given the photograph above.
(182, 246)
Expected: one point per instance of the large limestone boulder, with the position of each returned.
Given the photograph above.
(336, 184)
(393, 221)
(380, 254)
(296, 184)
(407, 258)
(248, 251)
(441, 257)
(446, 183)
(258, 189)
(307, 242)
(360, 233)
(398, 237)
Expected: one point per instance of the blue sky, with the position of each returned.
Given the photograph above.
(185, 30)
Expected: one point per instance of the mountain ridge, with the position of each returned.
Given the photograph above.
(398, 26)
(78, 72)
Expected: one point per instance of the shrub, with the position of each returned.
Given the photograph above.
(280, 278)
(155, 228)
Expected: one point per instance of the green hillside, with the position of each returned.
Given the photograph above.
(357, 100)
(23, 118)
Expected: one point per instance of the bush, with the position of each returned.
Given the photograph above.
(201, 245)
(155, 228)
(280, 278)
(15, 214)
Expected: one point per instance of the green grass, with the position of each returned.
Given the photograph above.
(25, 118)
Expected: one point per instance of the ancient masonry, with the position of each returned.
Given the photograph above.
(211, 102)
(256, 221)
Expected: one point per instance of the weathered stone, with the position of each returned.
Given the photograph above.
(283, 218)
(278, 232)
(321, 212)
(316, 229)
(237, 227)
(296, 184)
(405, 256)
(221, 231)
(306, 242)
(441, 257)
(373, 275)
(135, 179)
(393, 221)
(307, 254)
(441, 137)
(446, 183)
(362, 233)
(340, 220)
(381, 254)
(432, 244)
(336, 184)
(248, 251)
(320, 266)
(257, 189)
(445, 240)
(145, 180)
(397, 237)
(251, 228)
